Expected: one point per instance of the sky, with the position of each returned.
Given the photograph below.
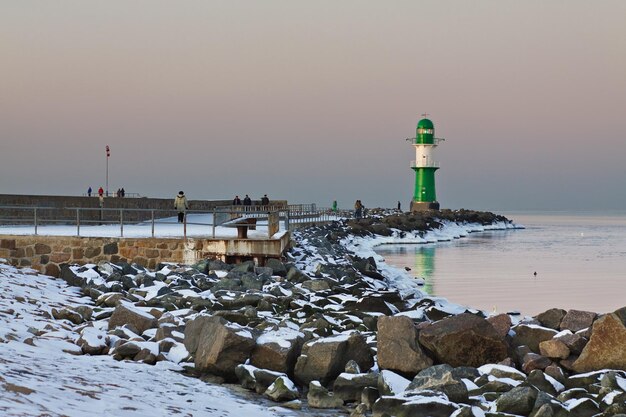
(313, 101)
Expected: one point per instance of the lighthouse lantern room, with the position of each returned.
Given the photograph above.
(425, 197)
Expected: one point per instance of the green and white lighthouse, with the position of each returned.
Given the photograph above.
(425, 196)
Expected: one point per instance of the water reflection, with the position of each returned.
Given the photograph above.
(425, 266)
(580, 264)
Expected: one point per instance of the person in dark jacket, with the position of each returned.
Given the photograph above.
(247, 201)
(89, 192)
(265, 201)
(236, 201)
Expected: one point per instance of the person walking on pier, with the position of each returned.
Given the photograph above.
(265, 201)
(247, 201)
(358, 209)
(180, 204)
(236, 201)
(100, 191)
(89, 191)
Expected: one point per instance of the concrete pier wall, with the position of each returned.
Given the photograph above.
(46, 253)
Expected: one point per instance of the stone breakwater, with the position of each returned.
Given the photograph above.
(330, 327)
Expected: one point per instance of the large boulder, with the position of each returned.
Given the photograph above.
(419, 405)
(127, 313)
(278, 349)
(398, 347)
(349, 387)
(520, 400)
(464, 340)
(576, 320)
(531, 335)
(551, 318)
(319, 397)
(324, 359)
(218, 346)
(554, 348)
(283, 389)
(440, 378)
(606, 347)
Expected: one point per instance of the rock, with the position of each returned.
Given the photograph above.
(431, 406)
(606, 348)
(128, 349)
(533, 361)
(377, 303)
(520, 400)
(349, 387)
(294, 275)
(316, 285)
(545, 383)
(586, 407)
(551, 318)
(247, 266)
(251, 282)
(574, 342)
(283, 389)
(576, 320)
(398, 347)
(440, 378)
(463, 340)
(278, 268)
(554, 348)
(531, 335)
(324, 359)
(555, 372)
(370, 395)
(245, 375)
(67, 314)
(319, 397)
(67, 275)
(390, 383)
(264, 378)
(127, 314)
(501, 323)
(500, 371)
(352, 367)
(218, 346)
(359, 411)
(92, 341)
(277, 350)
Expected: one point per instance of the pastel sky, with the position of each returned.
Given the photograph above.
(312, 101)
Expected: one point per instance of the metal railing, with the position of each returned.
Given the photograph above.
(292, 217)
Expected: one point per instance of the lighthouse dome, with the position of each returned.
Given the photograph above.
(425, 124)
(425, 132)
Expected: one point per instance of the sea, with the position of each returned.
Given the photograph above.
(560, 259)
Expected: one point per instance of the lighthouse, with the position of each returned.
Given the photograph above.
(424, 197)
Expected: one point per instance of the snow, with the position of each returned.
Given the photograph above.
(395, 382)
(39, 377)
(570, 404)
(558, 387)
(283, 337)
(488, 369)
(621, 382)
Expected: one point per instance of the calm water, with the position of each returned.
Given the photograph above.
(580, 260)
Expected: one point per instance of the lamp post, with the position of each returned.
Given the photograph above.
(107, 178)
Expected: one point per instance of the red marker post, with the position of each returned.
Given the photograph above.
(107, 177)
